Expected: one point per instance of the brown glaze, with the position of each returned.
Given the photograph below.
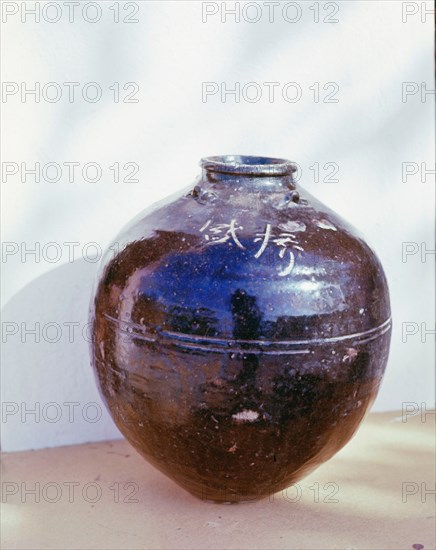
(241, 333)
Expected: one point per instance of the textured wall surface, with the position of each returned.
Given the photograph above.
(183, 59)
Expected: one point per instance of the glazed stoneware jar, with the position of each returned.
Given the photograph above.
(241, 332)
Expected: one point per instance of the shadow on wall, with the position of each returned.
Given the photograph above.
(48, 393)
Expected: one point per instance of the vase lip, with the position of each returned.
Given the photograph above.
(248, 165)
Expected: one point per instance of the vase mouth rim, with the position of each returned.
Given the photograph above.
(248, 165)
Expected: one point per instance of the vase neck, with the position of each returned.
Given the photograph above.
(248, 165)
(250, 172)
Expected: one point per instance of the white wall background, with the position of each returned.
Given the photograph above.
(373, 49)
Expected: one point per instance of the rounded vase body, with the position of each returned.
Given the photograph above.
(241, 331)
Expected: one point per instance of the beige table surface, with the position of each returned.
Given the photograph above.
(366, 479)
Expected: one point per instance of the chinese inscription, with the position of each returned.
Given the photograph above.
(282, 236)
